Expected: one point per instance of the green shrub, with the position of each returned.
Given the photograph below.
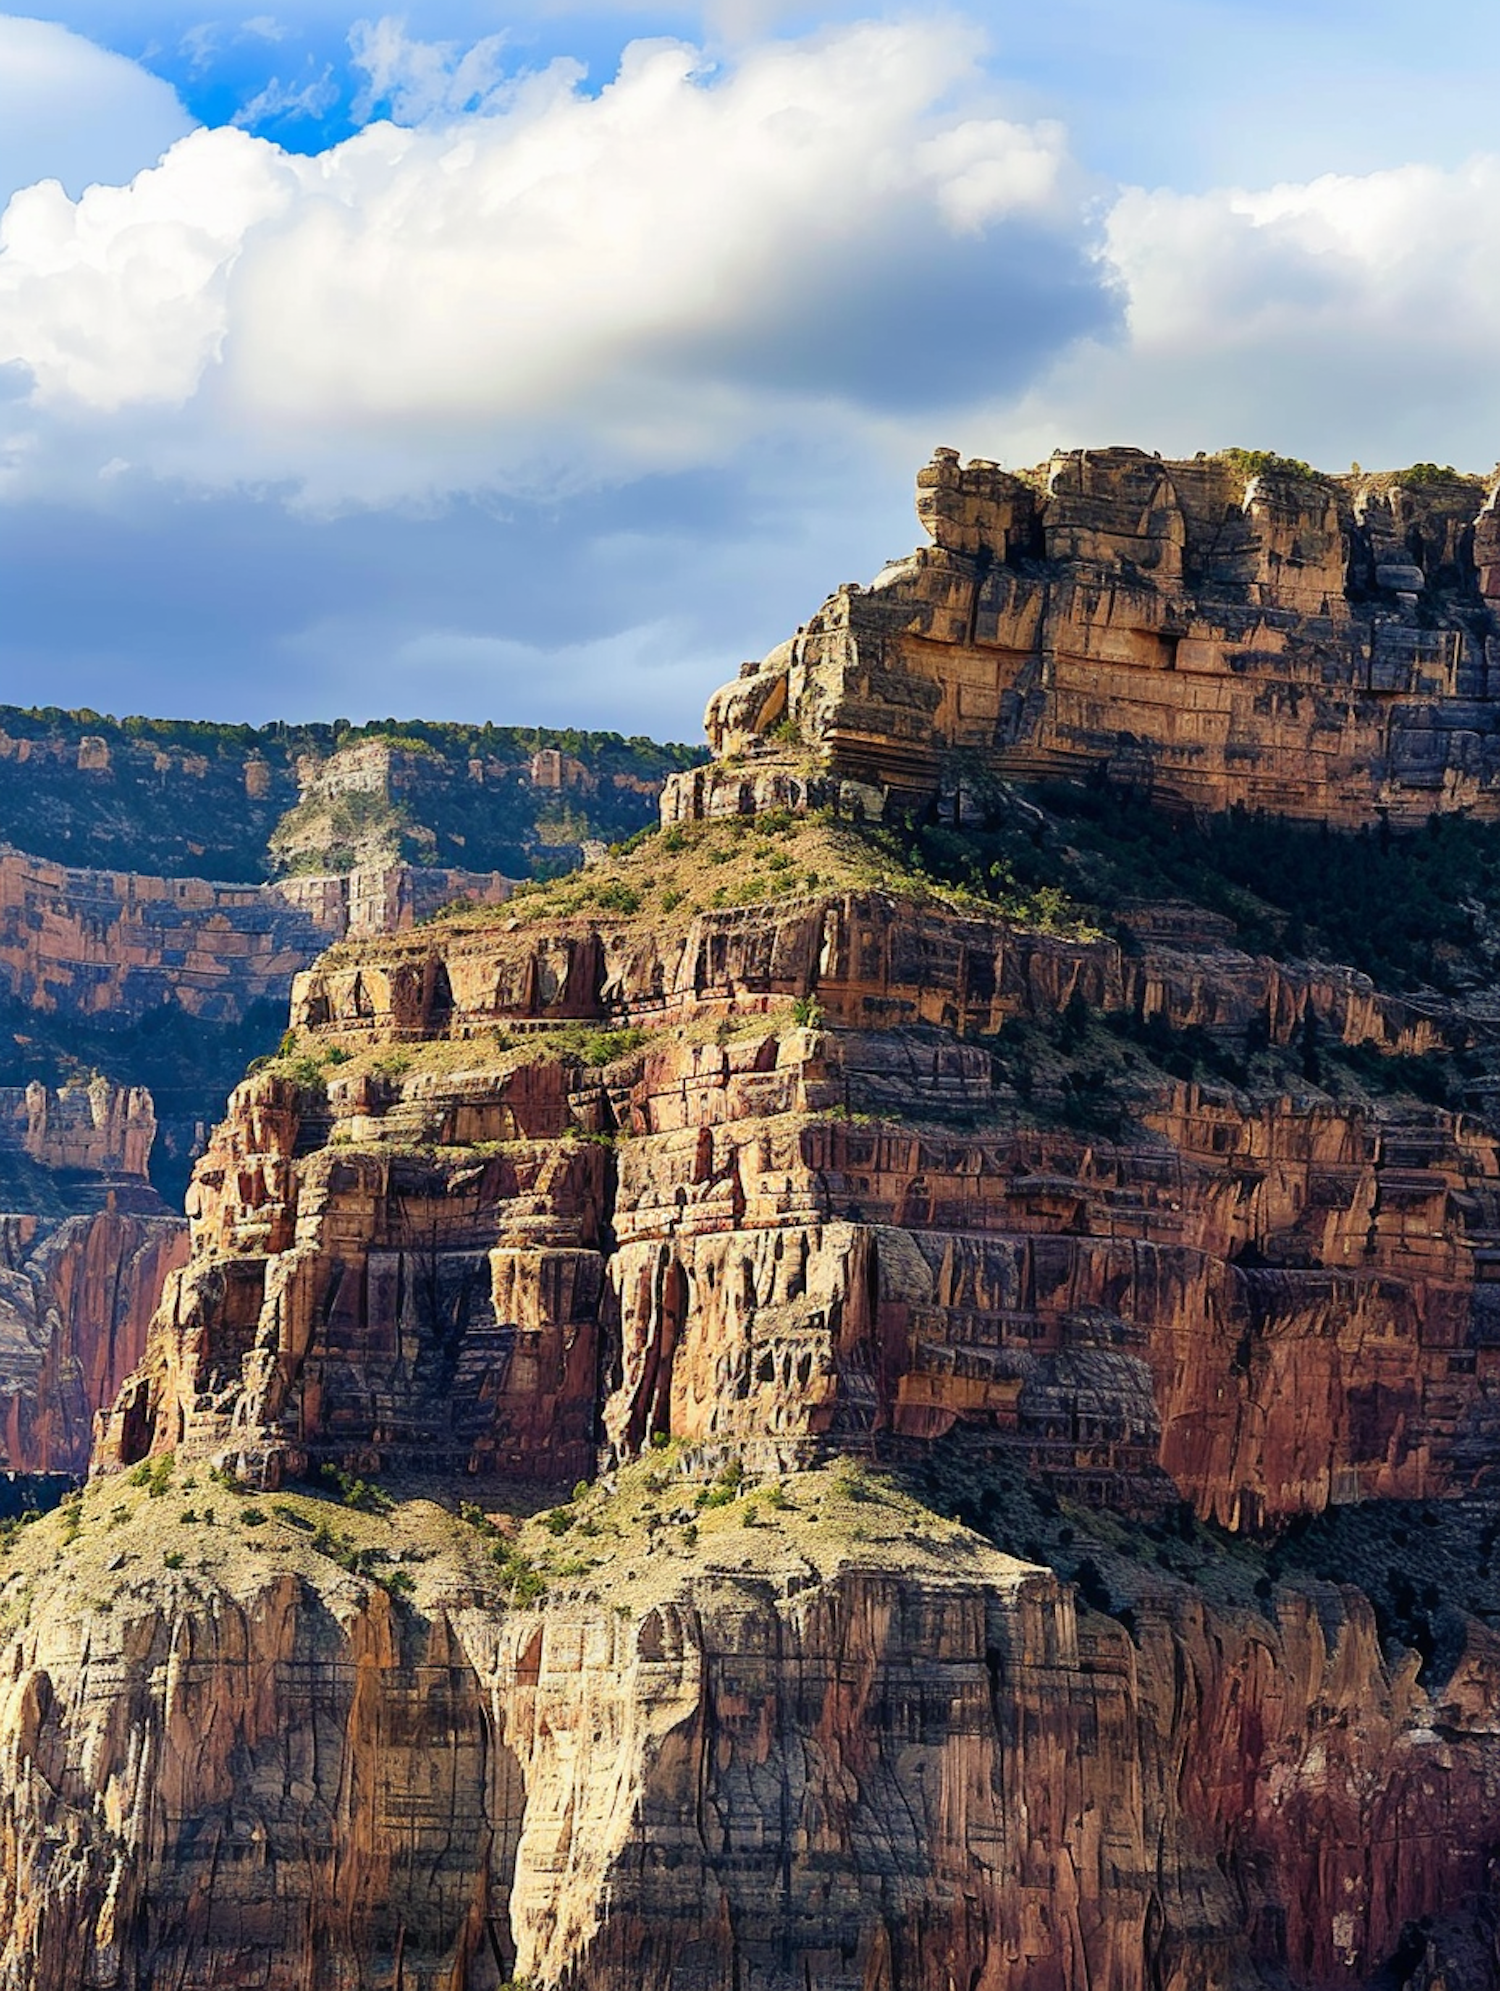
(154, 1474)
(852, 1482)
(477, 1518)
(604, 1047)
(520, 1575)
(1417, 474)
(356, 1493)
(724, 1489)
(1262, 462)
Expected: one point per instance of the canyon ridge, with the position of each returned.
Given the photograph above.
(894, 1386)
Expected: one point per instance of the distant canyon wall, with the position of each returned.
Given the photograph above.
(86, 1245)
(118, 944)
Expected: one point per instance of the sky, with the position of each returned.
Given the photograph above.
(541, 364)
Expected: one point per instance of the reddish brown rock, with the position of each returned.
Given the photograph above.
(860, 1777)
(687, 1198)
(95, 943)
(85, 1246)
(76, 1299)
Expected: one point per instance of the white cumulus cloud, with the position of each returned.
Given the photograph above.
(1349, 316)
(74, 112)
(562, 288)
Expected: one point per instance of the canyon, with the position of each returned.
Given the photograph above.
(85, 1246)
(162, 985)
(893, 1386)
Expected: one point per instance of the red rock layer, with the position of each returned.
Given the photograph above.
(77, 1299)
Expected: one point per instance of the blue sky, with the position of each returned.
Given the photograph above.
(542, 364)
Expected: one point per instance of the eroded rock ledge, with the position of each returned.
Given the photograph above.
(1229, 630)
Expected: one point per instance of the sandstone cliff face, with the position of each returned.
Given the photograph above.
(1322, 648)
(1258, 1312)
(1260, 1309)
(778, 1758)
(106, 943)
(77, 1296)
(94, 1129)
(85, 1246)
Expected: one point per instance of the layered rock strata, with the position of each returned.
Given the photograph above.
(1259, 1309)
(1220, 632)
(77, 1296)
(751, 1159)
(115, 945)
(771, 1757)
(85, 1247)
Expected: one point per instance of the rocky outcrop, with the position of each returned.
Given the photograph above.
(1260, 1311)
(77, 1295)
(94, 1129)
(1029, 1378)
(873, 960)
(85, 1247)
(1226, 631)
(770, 1757)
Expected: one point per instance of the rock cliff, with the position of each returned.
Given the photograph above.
(189, 799)
(853, 1744)
(1231, 630)
(1008, 1277)
(85, 1245)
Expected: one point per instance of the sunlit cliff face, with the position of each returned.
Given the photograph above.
(1228, 631)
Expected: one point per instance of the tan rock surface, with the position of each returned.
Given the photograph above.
(95, 943)
(1217, 632)
(784, 1757)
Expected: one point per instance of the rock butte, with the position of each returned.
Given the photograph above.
(614, 1181)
